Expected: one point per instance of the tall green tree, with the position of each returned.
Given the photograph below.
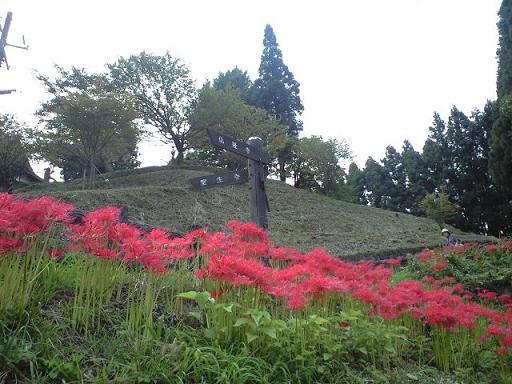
(500, 164)
(276, 91)
(356, 181)
(436, 153)
(393, 165)
(416, 183)
(13, 151)
(504, 52)
(163, 93)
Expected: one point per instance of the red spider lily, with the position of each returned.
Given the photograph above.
(487, 295)
(439, 267)
(491, 248)
(247, 231)
(395, 261)
(233, 258)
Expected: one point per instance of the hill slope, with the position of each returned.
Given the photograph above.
(162, 196)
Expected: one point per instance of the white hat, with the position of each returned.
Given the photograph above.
(445, 230)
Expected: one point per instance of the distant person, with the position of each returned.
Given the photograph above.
(449, 239)
(48, 175)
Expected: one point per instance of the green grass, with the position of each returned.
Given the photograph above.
(162, 196)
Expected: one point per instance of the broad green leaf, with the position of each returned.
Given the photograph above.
(270, 331)
(195, 315)
(240, 321)
(192, 295)
(250, 337)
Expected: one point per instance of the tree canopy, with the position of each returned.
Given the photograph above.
(225, 111)
(86, 125)
(163, 93)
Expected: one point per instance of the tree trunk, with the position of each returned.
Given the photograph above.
(5, 186)
(92, 175)
(84, 178)
(180, 158)
(282, 171)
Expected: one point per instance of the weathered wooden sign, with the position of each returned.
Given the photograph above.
(236, 146)
(256, 173)
(220, 179)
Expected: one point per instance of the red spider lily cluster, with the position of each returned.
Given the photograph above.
(235, 258)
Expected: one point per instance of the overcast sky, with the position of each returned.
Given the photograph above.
(372, 72)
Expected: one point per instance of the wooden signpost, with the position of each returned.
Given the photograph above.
(255, 174)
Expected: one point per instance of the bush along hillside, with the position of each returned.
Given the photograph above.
(89, 299)
(162, 196)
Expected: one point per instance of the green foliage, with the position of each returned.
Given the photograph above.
(504, 52)
(21, 275)
(378, 188)
(234, 79)
(316, 164)
(163, 93)
(226, 112)
(480, 267)
(501, 146)
(456, 159)
(439, 208)
(86, 126)
(13, 151)
(356, 181)
(144, 334)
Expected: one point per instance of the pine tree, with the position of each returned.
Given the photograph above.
(355, 180)
(378, 184)
(504, 52)
(277, 91)
(435, 153)
(500, 163)
(393, 165)
(416, 183)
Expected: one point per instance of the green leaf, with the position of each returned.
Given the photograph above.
(256, 317)
(195, 315)
(240, 321)
(412, 377)
(389, 348)
(250, 337)
(270, 331)
(228, 308)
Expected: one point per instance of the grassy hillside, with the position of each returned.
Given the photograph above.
(162, 196)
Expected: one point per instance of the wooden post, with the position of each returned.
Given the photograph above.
(257, 193)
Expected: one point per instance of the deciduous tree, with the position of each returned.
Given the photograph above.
(86, 125)
(226, 112)
(163, 93)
